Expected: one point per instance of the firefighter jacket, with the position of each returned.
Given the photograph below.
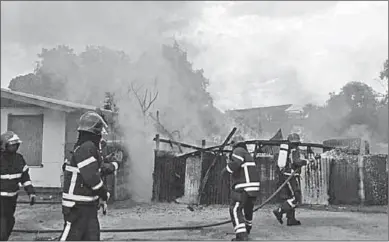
(243, 170)
(14, 171)
(294, 161)
(82, 178)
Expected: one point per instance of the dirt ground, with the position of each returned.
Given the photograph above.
(317, 225)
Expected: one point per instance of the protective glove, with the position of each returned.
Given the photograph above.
(103, 204)
(32, 199)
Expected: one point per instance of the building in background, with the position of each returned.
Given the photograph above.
(48, 129)
(267, 120)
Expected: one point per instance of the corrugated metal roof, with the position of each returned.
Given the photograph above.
(283, 107)
(45, 101)
(295, 108)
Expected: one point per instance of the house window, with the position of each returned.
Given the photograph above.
(30, 130)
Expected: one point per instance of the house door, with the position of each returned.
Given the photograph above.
(30, 130)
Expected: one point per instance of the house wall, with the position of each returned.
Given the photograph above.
(71, 131)
(53, 146)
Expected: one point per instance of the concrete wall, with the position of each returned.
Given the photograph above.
(54, 123)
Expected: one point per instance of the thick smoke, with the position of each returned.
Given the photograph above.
(251, 60)
(138, 28)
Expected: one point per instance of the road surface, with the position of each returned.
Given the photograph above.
(317, 225)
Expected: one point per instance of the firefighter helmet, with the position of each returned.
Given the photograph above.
(294, 138)
(237, 139)
(93, 123)
(9, 138)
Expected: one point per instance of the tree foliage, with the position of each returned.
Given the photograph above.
(385, 72)
(356, 104)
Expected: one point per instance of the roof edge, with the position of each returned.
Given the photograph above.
(46, 102)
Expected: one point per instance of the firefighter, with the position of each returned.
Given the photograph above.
(289, 160)
(244, 188)
(13, 170)
(84, 192)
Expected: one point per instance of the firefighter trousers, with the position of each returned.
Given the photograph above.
(7, 218)
(291, 196)
(241, 211)
(81, 223)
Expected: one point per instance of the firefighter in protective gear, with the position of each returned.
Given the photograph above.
(83, 191)
(290, 160)
(244, 188)
(13, 170)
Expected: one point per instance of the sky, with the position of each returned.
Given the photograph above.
(253, 53)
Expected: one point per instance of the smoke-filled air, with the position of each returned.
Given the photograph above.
(173, 68)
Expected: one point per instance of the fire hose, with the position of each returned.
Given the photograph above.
(198, 227)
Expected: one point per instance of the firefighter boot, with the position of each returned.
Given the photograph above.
(278, 214)
(241, 237)
(248, 229)
(291, 219)
(249, 225)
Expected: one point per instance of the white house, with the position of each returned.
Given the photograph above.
(47, 128)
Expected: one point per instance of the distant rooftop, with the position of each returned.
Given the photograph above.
(268, 108)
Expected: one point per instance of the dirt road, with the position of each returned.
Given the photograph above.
(317, 225)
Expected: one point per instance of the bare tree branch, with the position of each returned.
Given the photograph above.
(144, 102)
(137, 96)
(164, 130)
(151, 101)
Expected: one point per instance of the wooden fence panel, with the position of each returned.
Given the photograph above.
(376, 179)
(344, 180)
(216, 190)
(169, 177)
(268, 178)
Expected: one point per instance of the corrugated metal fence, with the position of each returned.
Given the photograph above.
(315, 182)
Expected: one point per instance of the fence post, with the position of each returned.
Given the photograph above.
(202, 153)
(157, 142)
(325, 164)
(303, 186)
(361, 189)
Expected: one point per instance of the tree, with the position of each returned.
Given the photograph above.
(355, 104)
(358, 101)
(382, 111)
(384, 74)
(86, 77)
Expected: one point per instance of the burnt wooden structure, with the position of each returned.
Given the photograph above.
(169, 171)
(333, 179)
(169, 178)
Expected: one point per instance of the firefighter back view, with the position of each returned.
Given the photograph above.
(244, 188)
(84, 192)
(13, 170)
(289, 160)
